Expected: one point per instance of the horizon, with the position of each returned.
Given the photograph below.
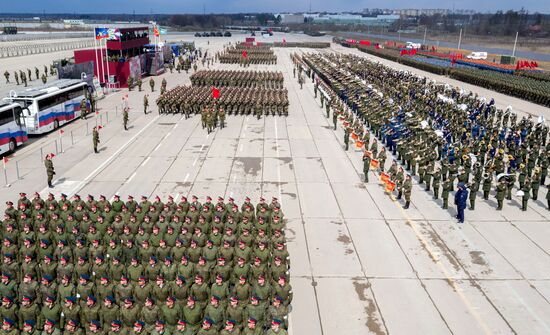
(175, 7)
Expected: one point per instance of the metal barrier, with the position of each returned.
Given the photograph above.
(17, 168)
(23, 50)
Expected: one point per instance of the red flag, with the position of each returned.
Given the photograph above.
(244, 53)
(215, 93)
(5, 160)
(52, 155)
(156, 32)
(284, 40)
(99, 127)
(61, 132)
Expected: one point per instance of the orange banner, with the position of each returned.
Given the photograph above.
(384, 177)
(390, 186)
(354, 136)
(374, 163)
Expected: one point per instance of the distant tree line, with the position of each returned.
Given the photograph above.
(496, 24)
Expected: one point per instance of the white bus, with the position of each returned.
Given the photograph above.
(49, 106)
(12, 129)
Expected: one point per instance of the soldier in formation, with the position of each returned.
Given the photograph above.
(75, 266)
(190, 100)
(434, 127)
(50, 171)
(95, 139)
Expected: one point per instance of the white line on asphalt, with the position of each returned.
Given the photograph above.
(145, 161)
(157, 147)
(108, 160)
(131, 177)
(241, 148)
(195, 161)
(186, 177)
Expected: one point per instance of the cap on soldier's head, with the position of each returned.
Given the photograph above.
(110, 298)
(92, 298)
(182, 322)
(95, 323)
(139, 323)
(50, 322)
(70, 299)
(27, 298)
(116, 323)
(74, 322)
(276, 321)
(47, 277)
(85, 276)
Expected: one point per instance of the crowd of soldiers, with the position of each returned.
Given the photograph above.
(246, 55)
(243, 79)
(23, 77)
(439, 133)
(87, 266)
(191, 100)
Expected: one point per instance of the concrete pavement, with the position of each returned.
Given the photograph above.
(360, 264)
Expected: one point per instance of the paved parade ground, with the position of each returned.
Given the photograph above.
(360, 263)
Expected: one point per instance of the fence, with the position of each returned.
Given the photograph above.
(19, 167)
(43, 37)
(23, 50)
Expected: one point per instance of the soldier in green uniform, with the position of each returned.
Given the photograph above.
(95, 139)
(487, 183)
(535, 183)
(335, 120)
(145, 103)
(83, 109)
(366, 166)
(500, 193)
(152, 84)
(407, 190)
(526, 194)
(221, 115)
(346, 138)
(445, 194)
(50, 171)
(276, 328)
(139, 83)
(474, 187)
(125, 117)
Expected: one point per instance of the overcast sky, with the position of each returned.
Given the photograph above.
(239, 6)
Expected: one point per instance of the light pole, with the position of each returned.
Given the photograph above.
(459, 39)
(515, 42)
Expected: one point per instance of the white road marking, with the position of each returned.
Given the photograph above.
(131, 177)
(241, 147)
(186, 177)
(195, 162)
(109, 160)
(158, 146)
(146, 161)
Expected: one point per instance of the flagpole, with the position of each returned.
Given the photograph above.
(107, 63)
(95, 51)
(102, 64)
(5, 171)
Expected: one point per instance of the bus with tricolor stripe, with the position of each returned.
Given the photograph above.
(47, 107)
(12, 129)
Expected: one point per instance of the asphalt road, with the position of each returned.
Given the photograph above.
(360, 263)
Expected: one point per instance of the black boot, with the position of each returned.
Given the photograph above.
(407, 205)
(399, 195)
